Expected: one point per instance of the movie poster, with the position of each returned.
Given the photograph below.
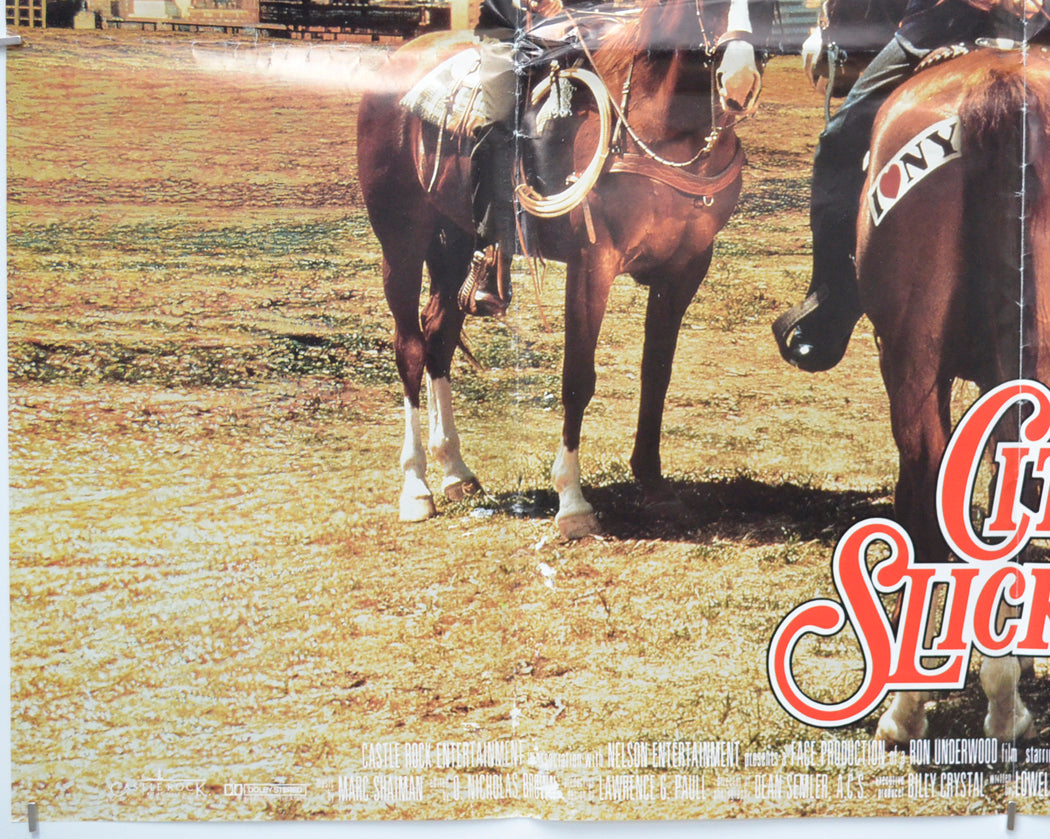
(217, 614)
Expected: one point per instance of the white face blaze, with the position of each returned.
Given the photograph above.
(739, 81)
(812, 47)
(739, 16)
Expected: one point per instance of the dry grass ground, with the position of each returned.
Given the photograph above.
(208, 578)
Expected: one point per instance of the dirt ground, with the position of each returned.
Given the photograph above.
(209, 583)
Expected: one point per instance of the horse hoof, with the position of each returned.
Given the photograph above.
(1023, 728)
(577, 525)
(895, 735)
(459, 489)
(417, 508)
(890, 733)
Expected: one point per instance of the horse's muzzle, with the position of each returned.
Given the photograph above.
(738, 78)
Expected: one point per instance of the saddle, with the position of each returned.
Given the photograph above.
(940, 55)
(452, 97)
(550, 182)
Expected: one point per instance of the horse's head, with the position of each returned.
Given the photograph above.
(741, 24)
(728, 31)
(720, 34)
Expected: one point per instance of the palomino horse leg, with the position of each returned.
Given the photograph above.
(447, 260)
(905, 719)
(588, 280)
(667, 304)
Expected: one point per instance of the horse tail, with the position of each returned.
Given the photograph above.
(1004, 121)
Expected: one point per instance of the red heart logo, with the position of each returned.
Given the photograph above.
(890, 181)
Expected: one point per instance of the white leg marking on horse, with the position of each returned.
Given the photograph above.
(905, 719)
(417, 502)
(458, 480)
(575, 518)
(1007, 718)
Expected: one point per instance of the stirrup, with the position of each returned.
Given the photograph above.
(784, 326)
(481, 292)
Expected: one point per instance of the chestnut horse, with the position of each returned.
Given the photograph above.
(955, 277)
(653, 213)
(848, 35)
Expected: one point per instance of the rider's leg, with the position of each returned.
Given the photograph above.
(814, 334)
(486, 290)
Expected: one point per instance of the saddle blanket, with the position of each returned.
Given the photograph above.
(450, 95)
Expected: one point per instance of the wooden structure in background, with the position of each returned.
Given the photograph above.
(31, 13)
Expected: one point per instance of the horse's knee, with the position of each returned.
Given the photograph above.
(410, 357)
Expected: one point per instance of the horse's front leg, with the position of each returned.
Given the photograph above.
(588, 280)
(905, 719)
(668, 301)
(1007, 718)
(416, 502)
(458, 480)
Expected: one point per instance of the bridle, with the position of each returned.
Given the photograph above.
(610, 157)
(719, 122)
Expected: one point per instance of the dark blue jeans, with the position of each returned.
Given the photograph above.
(837, 175)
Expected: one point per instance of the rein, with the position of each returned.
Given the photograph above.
(702, 187)
(620, 109)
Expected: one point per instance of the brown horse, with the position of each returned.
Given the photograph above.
(848, 35)
(653, 214)
(953, 263)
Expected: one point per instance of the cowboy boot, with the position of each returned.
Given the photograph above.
(486, 292)
(814, 334)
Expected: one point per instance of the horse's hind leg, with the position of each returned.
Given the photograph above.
(402, 281)
(447, 260)
(668, 301)
(921, 418)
